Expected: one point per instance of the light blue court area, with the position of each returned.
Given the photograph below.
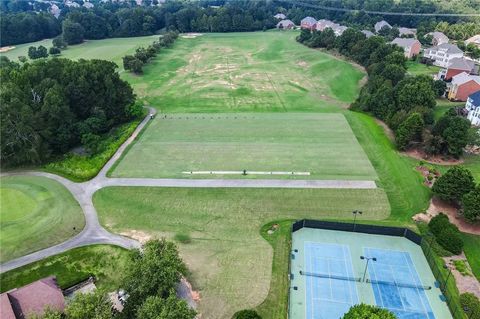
(326, 276)
(327, 295)
(392, 276)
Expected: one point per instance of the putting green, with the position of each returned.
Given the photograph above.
(36, 213)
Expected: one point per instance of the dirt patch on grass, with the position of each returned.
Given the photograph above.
(439, 160)
(438, 206)
(138, 235)
(191, 35)
(302, 64)
(6, 49)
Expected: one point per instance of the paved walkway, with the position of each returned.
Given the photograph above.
(94, 233)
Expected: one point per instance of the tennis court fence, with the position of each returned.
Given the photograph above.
(444, 280)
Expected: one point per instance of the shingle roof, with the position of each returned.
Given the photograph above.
(450, 48)
(285, 23)
(406, 31)
(475, 98)
(309, 20)
(438, 35)
(404, 42)
(368, 33)
(33, 298)
(461, 64)
(464, 77)
(280, 16)
(475, 40)
(379, 25)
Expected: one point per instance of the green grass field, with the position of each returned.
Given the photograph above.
(107, 49)
(36, 212)
(245, 72)
(229, 260)
(322, 144)
(416, 68)
(472, 252)
(104, 262)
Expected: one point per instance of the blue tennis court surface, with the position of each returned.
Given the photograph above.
(328, 298)
(397, 266)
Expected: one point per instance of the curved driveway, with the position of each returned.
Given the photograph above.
(94, 233)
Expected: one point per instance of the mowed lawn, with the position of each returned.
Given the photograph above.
(104, 262)
(35, 213)
(245, 72)
(108, 49)
(320, 143)
(230, 262)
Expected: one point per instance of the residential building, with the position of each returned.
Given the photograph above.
(438, 38)
(280, 16)
(285, 24)
(462, 86)
(32, 299)
(443, 54)
(411, 47)
(475, 40)
(322, 24)
(367, 33)
(473, 107)
(308, 23)
(457, 66)
(381, 24)
(88, 5)
(407, 32)
(339, 29)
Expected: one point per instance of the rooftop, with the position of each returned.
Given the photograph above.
(464, 77)
(404, 42)
(475, 98)
(447, 47)
(462, 64)
(32, 299)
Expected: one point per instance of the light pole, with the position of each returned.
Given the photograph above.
(366, 265)
(355, 213)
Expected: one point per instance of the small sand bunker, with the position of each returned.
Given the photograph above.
(303, 64)
(6, 49)
(191, 35)
(138, 235)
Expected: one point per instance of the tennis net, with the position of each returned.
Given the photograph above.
(398, 284)
(330, 276)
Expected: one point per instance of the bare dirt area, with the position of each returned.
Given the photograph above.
(6, 49)
(465, 283)
(191, 35)
(439, 160)
(438, 206)
(138, 235)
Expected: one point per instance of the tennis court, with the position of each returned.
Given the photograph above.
(329, 274)
(393, 278)
(329, 294)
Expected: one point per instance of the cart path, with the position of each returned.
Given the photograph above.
(94, 233)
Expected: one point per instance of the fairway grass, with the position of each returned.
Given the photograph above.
(230, 262)
(35, 213)
(322, 144)
(105, 263)
(107, 49)
(246, 72)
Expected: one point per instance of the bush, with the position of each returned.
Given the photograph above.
(471, 305)
(451, 240)
(246, 314)
(471, 205)
(363, 311)
(438, 223)
(455, 183)
(446, 234)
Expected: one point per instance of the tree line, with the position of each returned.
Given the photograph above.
(149, 282)
(123, 19)
(51, 106)
(388, 93)
(135, 62)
